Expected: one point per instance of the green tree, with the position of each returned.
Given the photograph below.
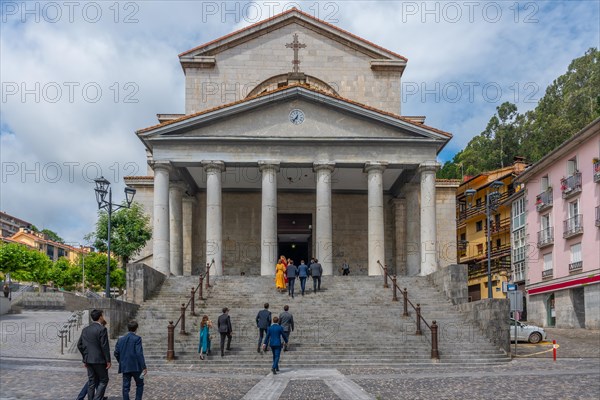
(13, 257)
(130, 230)
(52, 236)
(95, 269)
(64, 273)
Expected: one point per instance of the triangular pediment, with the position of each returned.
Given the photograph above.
(267, 117)
(292, 16)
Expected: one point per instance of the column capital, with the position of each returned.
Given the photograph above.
(375, 166)
(326, 165)
(161, 164)
(213, 165)
(429, 166)
(266, 165)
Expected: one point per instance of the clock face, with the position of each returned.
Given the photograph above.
(296, 116)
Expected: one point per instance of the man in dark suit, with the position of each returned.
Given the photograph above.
(302, 274)
(93, 346)
(292, 272)
(286, 320)
(274, 335)
(224, 325)
(130, 355)
(263, 321)
(316, 270)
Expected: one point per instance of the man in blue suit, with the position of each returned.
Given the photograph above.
(274, 335)
(302, 274)
(130, 355)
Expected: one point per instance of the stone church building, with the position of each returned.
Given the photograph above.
(293, 142)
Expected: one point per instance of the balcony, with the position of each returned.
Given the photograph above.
(598, 216)
(547, 273)
(573, 226)
(545, 237)
(576, 266)
(597, 171)
(543, 201)
(570, 186)
(499, 226)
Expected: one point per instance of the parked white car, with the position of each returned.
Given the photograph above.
(526, 333)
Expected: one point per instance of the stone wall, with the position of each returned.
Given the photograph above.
(536, 309)
(4, 305)
(452, 281)
(53, 301)
(446, 223)
(491, 316)
(141, 282)
(592, 306)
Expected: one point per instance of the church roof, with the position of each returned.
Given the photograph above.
(305, 87)
(296, 14)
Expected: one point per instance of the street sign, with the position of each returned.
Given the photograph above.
(516, 300)
(511, 286)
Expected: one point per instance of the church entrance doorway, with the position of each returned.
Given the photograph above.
(294, 236)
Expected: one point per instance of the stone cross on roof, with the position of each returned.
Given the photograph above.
(295, 45)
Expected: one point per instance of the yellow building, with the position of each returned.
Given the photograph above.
(472, 230)
(39, 241)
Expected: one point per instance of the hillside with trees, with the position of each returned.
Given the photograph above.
(570, 103)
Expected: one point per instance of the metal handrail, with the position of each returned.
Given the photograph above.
(171, 327)
(433, 328)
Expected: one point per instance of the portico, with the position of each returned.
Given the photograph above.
(294, 146)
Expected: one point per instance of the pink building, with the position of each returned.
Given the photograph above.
(561, 202)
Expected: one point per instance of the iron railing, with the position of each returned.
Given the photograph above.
(545, 237)
(570, 185)
(433, 328)
(573, 226)
(543, 201)
(575, 266)
(597, 215)
(597, 171)
(191, 303)
(547, 273)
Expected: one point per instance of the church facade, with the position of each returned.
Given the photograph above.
(292, 142)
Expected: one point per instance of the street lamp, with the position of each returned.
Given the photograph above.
(491, 204)
(102, 189)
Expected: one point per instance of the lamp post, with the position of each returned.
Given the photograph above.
(102, 189)
(491, 205)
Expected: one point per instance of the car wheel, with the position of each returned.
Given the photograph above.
(535, 337)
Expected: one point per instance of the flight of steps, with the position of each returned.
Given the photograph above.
(351, 322)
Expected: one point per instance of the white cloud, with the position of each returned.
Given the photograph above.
(136, 56)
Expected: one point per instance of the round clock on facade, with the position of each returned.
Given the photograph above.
(296, 116)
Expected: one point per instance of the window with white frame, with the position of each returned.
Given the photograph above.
(545, 222)
(518, 245)
(518, 214)
(519, 271)
(571, 166)
(573, 208)
(576, 253)
(547, 261)
(545, 183)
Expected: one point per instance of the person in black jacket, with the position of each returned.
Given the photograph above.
(130, 355)
(263, 321)
(224, 326)
(93, 346)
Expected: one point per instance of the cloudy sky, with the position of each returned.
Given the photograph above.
(78, 78)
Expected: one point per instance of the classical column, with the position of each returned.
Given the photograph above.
(324, 230)
(176, 228)
(160, 247)
(413, 229)
(268, 226)
(214, 216)
(188, 215)
(376, 239)
(399, 210)
(428, 221)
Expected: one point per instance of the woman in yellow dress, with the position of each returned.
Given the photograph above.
(280, 276)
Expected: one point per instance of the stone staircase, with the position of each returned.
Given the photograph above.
(351, 322)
